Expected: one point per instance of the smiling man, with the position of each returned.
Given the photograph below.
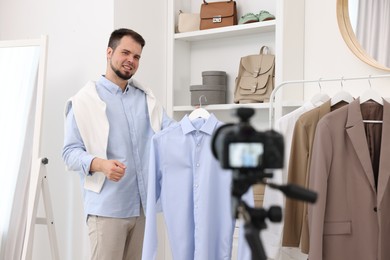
(123, 56)
(108, 128)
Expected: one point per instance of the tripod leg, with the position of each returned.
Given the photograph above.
(252, 236)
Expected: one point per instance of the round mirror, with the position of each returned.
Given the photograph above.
(365, 27)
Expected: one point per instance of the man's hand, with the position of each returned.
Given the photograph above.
(113, 169)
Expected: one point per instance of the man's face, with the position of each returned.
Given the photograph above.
(124, 60)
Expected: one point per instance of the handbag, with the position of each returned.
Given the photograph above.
(218, 14)
(188, 22)
(256, 78)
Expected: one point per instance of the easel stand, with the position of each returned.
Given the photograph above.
(39, 183)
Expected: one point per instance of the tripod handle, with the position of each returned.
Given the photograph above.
(296, 192)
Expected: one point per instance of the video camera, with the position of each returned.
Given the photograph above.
(252, 156)
(241, 147)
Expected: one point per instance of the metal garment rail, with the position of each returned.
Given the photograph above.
(273, 93)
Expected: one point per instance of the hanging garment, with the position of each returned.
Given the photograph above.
(187, 183)
(272, 236)
(295, 230)
(351, 217)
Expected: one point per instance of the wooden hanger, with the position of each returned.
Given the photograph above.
(199, 112)
(371, 94)
(319, 98)
(341, 96)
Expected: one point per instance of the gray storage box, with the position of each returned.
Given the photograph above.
(214, 77)
(213, 94)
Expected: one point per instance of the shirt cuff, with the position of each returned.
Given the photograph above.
(86, 163)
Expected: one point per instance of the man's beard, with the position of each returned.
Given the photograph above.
(120, 74)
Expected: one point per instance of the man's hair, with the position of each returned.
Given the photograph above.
(118, 34)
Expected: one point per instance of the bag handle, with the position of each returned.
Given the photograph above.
(204, 1)
(264, 50)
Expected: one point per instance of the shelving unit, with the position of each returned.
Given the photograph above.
(190, 53)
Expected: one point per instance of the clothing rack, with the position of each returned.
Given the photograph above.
(320, 80)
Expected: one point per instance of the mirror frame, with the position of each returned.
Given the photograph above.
(350, 37)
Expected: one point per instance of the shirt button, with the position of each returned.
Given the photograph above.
(197, 165)
(375, 209)
(198, 144)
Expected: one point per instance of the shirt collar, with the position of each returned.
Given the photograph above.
(208, 126)
(110, 86)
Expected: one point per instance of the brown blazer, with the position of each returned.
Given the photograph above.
(351, 219)
(295, 231)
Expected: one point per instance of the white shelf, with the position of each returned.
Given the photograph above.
(223, 107)
(228, 31)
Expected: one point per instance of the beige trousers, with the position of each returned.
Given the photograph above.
(116, 238)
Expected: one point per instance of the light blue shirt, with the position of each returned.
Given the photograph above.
(129, 139)
(194, 192)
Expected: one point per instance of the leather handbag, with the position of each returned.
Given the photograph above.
(218, 14)
(256, 78)
(188, 22)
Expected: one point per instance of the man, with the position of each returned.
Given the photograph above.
(108, 128)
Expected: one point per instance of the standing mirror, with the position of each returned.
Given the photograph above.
(365, 27)
(22, 73)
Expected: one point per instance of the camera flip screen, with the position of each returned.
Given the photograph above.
(245, 155)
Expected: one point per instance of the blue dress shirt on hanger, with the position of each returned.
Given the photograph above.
(193, 191)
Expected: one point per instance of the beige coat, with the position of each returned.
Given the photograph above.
(295, 232)
(351, 219)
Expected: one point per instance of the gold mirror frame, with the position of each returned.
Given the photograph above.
(350, 37)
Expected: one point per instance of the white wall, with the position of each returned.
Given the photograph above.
(327, 56)
(151, 23)
(78, 32)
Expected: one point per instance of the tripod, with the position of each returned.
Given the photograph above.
(255, 222)
(254, 218)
